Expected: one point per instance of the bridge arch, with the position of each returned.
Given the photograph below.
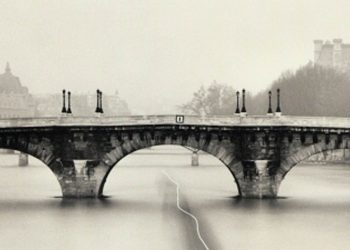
(38, 155)
(161, 158)
(223, 150)
(41, 153)
(306, 152)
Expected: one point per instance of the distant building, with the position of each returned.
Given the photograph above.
(334, 55)
(15, 100)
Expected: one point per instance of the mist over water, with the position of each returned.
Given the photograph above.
(140, 211)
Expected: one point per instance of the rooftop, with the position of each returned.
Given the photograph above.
(10, 83)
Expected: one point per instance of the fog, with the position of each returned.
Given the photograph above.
(167, 49)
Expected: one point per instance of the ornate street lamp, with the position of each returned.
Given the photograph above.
(237, 103)
(243, 110)
(69, 111)
(101, 109)
(64, 101)
(97, 110)
(269, 111)
(278, 109)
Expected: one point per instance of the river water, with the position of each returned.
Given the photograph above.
(313, 211)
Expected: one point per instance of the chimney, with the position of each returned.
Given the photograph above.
(337, 53)
(317, 50)
(337, 43)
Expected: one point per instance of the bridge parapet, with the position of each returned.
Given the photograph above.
(258, 150)
(249, 121)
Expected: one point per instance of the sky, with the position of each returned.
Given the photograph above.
(157, 53)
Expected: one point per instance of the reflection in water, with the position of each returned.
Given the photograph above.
(140, 209)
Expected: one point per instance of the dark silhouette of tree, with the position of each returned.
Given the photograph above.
(310, 90)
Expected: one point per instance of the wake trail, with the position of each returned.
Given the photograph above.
(184, 211)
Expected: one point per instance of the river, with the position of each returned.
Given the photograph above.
(140, 212)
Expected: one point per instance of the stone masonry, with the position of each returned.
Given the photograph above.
(259, 156)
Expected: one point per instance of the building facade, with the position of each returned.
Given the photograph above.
(334, 54)
(15, 100)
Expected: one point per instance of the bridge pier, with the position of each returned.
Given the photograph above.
(79, 187)
(81, 179)
(258, 188)
(258, 180)
(194, 159)
(22, 159)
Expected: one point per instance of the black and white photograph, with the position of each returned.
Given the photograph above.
(174, 124)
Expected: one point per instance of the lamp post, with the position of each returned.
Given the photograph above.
(243, 102)
(278, 109)
(101, 109)
(64, 101)
(237, 103)
(69, 111)
(269, 111)
(97, 110)
(243, 110)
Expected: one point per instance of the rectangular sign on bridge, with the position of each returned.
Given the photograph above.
(180, 119)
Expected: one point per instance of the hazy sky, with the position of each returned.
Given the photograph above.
(157, 53)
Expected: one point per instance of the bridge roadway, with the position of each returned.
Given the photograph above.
(234, 120)
(258, 150)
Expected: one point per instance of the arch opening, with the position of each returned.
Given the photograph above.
(31, 181)
(325, 173)
(146, 165)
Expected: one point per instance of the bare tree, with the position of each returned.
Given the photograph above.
(217, 99)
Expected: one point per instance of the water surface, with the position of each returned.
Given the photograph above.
(313, 211)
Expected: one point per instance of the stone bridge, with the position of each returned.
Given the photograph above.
(258, 150)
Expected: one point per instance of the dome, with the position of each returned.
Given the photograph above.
(10, 83)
